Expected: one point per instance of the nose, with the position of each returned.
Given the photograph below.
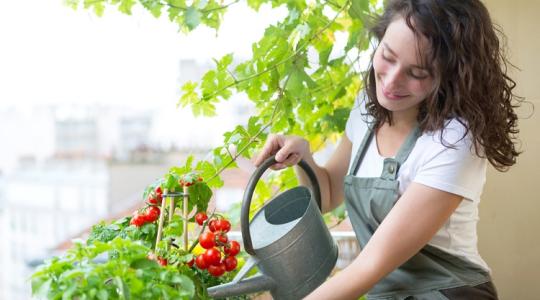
(392, 79)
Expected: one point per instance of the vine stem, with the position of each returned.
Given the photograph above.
(194, 244)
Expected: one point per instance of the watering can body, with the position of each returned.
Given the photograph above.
(288, 242)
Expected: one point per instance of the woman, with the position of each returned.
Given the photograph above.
(412, 163)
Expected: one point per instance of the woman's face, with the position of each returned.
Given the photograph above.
(402, 82)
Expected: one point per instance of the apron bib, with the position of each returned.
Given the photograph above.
(369, 200)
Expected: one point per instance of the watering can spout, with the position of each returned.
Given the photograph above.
(257, 283)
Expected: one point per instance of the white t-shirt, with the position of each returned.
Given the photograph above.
(459, 171)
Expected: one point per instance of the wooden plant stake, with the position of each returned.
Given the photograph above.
(185, 215)
(171, 209)
(161, 218)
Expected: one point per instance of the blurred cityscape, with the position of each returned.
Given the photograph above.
(65, 168)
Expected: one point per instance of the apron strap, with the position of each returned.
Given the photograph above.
(408, 145)
(391, 165)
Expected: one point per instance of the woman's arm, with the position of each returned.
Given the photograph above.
(290, 149)
(410, 225)
(330, 176)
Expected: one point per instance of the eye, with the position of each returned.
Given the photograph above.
(418, 74)
(386, 58)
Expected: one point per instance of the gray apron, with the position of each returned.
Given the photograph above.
(429, 272)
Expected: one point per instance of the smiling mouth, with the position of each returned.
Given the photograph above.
(390, 95)
(393, 96)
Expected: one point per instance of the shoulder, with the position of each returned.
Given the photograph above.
(454, 134)
(445, 159)
(453, 139)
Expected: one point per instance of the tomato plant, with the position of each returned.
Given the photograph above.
(132, 258)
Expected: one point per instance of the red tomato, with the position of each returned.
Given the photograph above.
(217, 270)
(191, 262)
(152, 200)
(184, 183)
(232, 249)
(222, 238)
(223, 225)
(200, 262)
(212, 225)
(230, 263)
(158, 191)
(137, 220)
(152, 214)
(207, 240)
(200, 218)
(212, 256)
(162, 261)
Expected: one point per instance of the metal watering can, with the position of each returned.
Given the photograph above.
(288, 241)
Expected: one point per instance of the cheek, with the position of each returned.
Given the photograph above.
(379, 65)
(421, 88)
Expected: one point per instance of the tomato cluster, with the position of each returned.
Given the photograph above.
(151, 212)
(189, 181)
(155, 197)
(220, 254)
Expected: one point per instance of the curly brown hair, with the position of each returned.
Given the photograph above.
(471, 78)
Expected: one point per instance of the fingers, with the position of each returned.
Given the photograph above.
(270, 148)
(288, 151)
(291, 160)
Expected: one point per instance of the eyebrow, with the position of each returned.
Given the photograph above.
(394, 54)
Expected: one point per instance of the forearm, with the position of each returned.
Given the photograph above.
(350, 283)
(322, 178)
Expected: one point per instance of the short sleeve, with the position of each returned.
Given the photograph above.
(457, 169)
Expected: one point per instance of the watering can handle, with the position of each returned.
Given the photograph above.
(248, 194)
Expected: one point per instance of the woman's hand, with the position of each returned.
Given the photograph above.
(289, 150)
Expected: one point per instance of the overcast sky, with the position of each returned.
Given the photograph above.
(53, 54)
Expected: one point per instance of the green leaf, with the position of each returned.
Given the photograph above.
(102, 295)
(174, 12)
(125, 6)
(185, 285)
(359, 9)
(207, 171)
(123, 291)
(224, 62)
(200, 195)
(203, 108)
(338, 118)
(154, 7)
(41, 287)
(175, 227)
(144, 263)
(192, 17)
(98, 7)
(255, 4)
(190, 95)
(67, 294)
